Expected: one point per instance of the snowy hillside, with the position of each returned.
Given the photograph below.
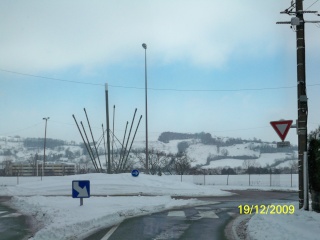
(203, 155)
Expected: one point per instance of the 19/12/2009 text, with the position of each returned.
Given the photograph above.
(266, 209)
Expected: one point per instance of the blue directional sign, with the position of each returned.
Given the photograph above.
(135, 173)
(81, 189)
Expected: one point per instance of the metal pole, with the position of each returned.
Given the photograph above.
(104, 144)
(125, 162)
(305, 181)
(302, 98)
(122, 146)
(146, 90)
(108, 129)
(114, 111)
(44, 147)
(90, 149)
(291, 176)
(94, 143)
(125, 149)
(270, 176)
(84, 142)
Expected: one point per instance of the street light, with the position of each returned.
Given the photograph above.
(146, 89)
(44, 147)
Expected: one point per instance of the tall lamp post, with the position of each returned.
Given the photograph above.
(44, 147)
(146, 90)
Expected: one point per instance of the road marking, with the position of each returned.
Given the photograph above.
(203, 208)
(11, 215)
(231, 213)
(173, 232)
(208, 214)
(112, 230)
(176, 214)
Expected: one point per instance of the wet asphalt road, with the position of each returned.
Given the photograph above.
(13, 225)
(203, 222)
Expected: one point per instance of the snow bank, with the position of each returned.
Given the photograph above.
(300, 225)
(61, 217)
(64, 218)
(110, 184)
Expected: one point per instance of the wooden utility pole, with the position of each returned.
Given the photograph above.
(297, 23)
(302, 97)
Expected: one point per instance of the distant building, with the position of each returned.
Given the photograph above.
(50, 169)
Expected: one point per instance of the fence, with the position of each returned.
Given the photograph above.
(266, 180)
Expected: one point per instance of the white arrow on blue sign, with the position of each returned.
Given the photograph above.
(81, 189)
(135, 173)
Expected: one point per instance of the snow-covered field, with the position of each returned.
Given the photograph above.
(62, 217)
(197, 151)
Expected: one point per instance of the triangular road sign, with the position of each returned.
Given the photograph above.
(281, 127)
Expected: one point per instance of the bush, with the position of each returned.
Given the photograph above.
(314, 164)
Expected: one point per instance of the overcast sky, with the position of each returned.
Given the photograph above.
(222, 67)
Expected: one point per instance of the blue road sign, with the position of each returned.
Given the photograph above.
(81, 189)
(135, 173)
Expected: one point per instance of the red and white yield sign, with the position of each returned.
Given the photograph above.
(281, 127)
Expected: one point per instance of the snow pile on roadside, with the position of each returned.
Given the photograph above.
(300, 225)
(61, 217)
(64, 218)
(111, 184)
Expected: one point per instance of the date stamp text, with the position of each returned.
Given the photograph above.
(266, 209)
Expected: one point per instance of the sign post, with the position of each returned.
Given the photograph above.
(282, 128)
(81, 189)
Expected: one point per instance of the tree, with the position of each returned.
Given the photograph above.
(158, 161)
(224, 152)
(182, 163)
(33, 163)
(228, 171)
(69, 154)
(249, 164)
(294, 166)
(314, 164)
(7, 166)
(314, 160)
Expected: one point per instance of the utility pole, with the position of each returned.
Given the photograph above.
(297, 23)
(108, 129)
(302, 98)
(146, 95)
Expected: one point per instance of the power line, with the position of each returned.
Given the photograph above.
(23, 129)
(312, 5)
(157, 89)
(49, 78)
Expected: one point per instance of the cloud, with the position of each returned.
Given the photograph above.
(51, 35)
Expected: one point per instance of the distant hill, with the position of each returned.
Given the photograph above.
(205, 150)
(208, 151)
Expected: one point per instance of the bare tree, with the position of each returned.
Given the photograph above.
(294, 166)
(182, 163)
(158, 161)
(33, 163)
(7, 163)
(122, 162)
(250, 163)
